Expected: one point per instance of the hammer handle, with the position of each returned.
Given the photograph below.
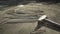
(52, 25)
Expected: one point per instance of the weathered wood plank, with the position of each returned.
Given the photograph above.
(21, 20)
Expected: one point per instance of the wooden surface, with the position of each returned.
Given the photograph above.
(29, 11)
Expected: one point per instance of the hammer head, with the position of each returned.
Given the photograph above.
(42, 17)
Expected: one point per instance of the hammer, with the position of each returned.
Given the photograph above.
(44, 21)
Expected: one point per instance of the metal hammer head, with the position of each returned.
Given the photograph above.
(42, 17)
